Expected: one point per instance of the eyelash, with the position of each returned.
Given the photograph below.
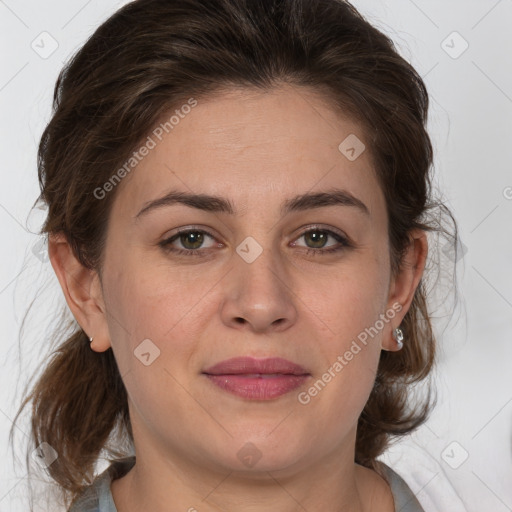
(166, 244)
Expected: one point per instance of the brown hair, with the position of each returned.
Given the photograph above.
(148, 58)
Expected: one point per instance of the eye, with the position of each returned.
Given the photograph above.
(190, 239)
(316, 240)
(192, 242)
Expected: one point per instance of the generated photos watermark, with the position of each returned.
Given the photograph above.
(151, 142)
(304, 397)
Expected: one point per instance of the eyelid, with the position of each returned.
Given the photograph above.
(339, 236)
(303, 230)
(320, 227)
(168, 240)
(192, 228)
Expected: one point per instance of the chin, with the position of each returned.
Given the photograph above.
(261, 454)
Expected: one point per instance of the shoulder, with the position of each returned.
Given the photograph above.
(405, 500)
(97, 497)
(425, 474)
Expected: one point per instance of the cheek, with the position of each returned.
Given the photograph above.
(339, 392)
(157, 301)
(350, 305)
(156, 319)
(160, 314)
(349, 300)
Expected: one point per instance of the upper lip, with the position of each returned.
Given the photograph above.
(250, 365)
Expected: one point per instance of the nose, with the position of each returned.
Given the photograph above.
(258, 296)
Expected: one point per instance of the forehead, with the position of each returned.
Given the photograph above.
(286, 140)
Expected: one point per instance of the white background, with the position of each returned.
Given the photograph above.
(471, 128)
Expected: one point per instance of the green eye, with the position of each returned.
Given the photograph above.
(190, 239)
(318, 239)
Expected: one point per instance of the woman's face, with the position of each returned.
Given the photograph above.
(291, 261)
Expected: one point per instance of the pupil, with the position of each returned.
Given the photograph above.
(195, 237)
(318, 238)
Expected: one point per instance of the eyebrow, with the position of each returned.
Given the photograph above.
(217, 204)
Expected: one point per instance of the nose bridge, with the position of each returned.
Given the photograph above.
(259, 293)
(259, 272)
(259, 266)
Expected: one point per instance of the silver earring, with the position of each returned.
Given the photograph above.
(398, 335)
(90, 339)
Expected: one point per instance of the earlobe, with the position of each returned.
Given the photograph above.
(82, 291)
(403, 286)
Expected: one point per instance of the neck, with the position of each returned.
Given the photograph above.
(333, 483)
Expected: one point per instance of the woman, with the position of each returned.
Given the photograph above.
(239, 200)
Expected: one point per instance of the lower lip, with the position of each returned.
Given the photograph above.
(258, 388)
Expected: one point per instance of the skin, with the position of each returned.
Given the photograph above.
(256, 149)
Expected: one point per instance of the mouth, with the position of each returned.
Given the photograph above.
(257, 379)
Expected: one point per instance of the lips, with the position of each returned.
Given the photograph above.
(257, 379)
(251, 367)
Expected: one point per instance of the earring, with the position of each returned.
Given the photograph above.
(90, 339)
(398, 335)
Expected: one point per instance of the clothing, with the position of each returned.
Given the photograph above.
(98, 497)
(405, 500)
(426, 473)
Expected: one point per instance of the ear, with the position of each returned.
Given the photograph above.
(403, 285)
(82, 290)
